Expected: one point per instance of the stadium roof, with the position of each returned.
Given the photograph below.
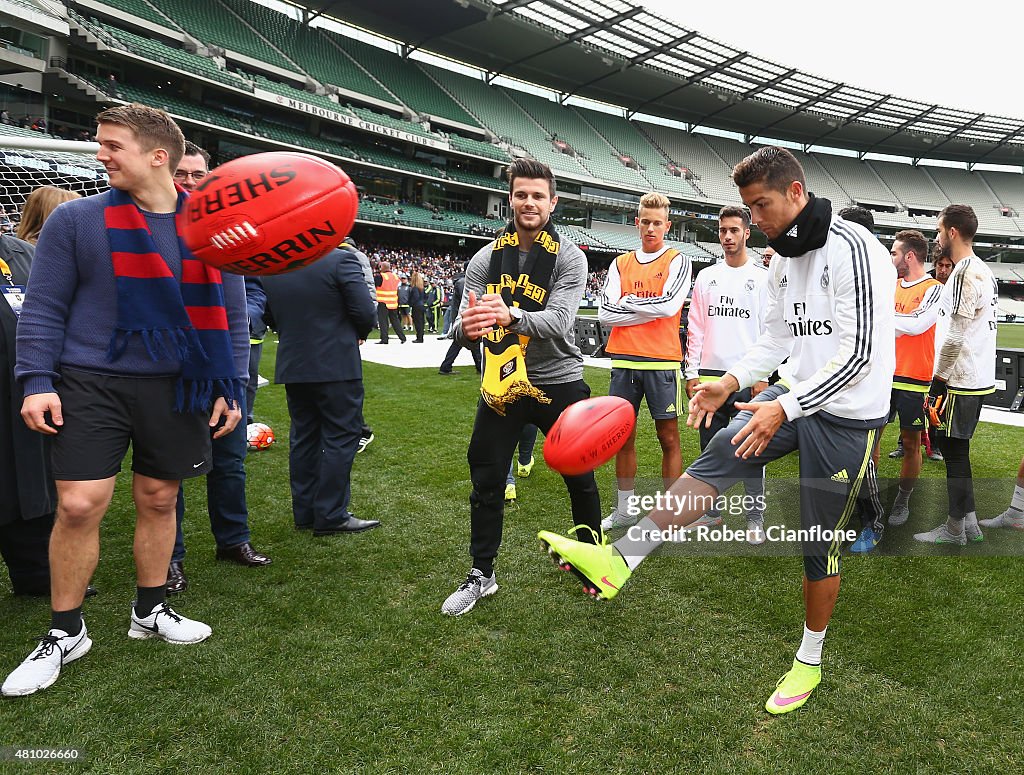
(619, 53)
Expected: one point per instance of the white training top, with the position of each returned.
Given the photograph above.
(972, 295)
(727, 313)
(830, 311)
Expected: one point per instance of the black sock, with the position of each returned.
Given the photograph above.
(69, 621)
(486, 567)
(148, 598)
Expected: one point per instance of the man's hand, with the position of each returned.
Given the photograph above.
(691, 385)
(937, 395)
(477, 319)
(708, 398)
(759, 430)
(757, 388)
(231, 417)
(496, 304)
(34, 409)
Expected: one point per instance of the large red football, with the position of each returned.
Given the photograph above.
(269, 213)
(588, 434)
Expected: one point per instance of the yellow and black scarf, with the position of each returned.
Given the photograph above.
(504, 352)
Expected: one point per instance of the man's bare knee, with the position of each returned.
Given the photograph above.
(155, 494)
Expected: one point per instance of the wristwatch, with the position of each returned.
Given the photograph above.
(516, 314)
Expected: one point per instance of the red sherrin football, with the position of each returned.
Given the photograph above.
(588, 434)
(269, 213)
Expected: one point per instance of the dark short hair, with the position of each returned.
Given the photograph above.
(732, 211)
(857, 214)
(191, 149)
(913, 241)
(961, 218)
(771, 165)
(532, 170)
(937, 259)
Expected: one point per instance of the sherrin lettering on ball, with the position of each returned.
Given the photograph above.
(588, 434)
(269, 213)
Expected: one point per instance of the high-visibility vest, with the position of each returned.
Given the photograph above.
(655, 339)
(387, 294)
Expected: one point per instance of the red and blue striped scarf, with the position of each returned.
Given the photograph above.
(185, 320)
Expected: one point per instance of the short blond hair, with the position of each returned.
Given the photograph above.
(653, 200)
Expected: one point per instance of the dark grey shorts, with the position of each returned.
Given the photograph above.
(961, 416)
(103, 414)
(661, 387)
(833, 461)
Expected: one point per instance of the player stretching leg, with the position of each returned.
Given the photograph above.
(726, 318)
(642, 299)
(830, 312)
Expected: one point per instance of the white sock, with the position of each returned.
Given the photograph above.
(810, 647)
(903, 497)
(635, 550)
(1017, 502)
(625, 499)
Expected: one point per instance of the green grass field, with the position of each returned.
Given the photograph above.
(336, 657)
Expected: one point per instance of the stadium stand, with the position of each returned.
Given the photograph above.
(294, 93)
(212, 22)
(143, 10)
(690, 151)
(403, 78)
(594, 152)
(627, 140)
(912, 185)
(859, 180)
(478, 147)
(156, 51)
(963, 186)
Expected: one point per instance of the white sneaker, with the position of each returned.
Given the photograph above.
(42, 667)
(475, 587)
(941, 535)
(165, 624)
(708, 520)
(755, 532)
(618, 519)
(1009, 518)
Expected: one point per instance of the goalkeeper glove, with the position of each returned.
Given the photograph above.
(937, 395)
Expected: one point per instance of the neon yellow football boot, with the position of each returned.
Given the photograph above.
(599, 566)
(794, 688)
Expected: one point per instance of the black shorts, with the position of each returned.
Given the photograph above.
(104, 413)
(961, 415)
(908, 405)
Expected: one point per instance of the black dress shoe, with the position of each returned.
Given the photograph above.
(243, 554)
(176, 581)
(351, 525)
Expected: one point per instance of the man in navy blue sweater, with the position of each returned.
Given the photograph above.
(124, 338)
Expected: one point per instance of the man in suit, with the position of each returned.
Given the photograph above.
(322, 311)
(225, 484)
(453, 352)
(30, 498)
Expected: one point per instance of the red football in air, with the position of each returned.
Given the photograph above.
(269, 213)
(588, 434)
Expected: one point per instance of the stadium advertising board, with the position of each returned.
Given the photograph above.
(352, 121)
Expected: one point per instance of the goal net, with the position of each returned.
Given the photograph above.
(29, 162)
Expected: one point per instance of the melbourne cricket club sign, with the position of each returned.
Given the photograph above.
(353, 121)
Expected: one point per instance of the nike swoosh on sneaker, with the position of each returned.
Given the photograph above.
(154, 628)
(606, 582)
(784, 701)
